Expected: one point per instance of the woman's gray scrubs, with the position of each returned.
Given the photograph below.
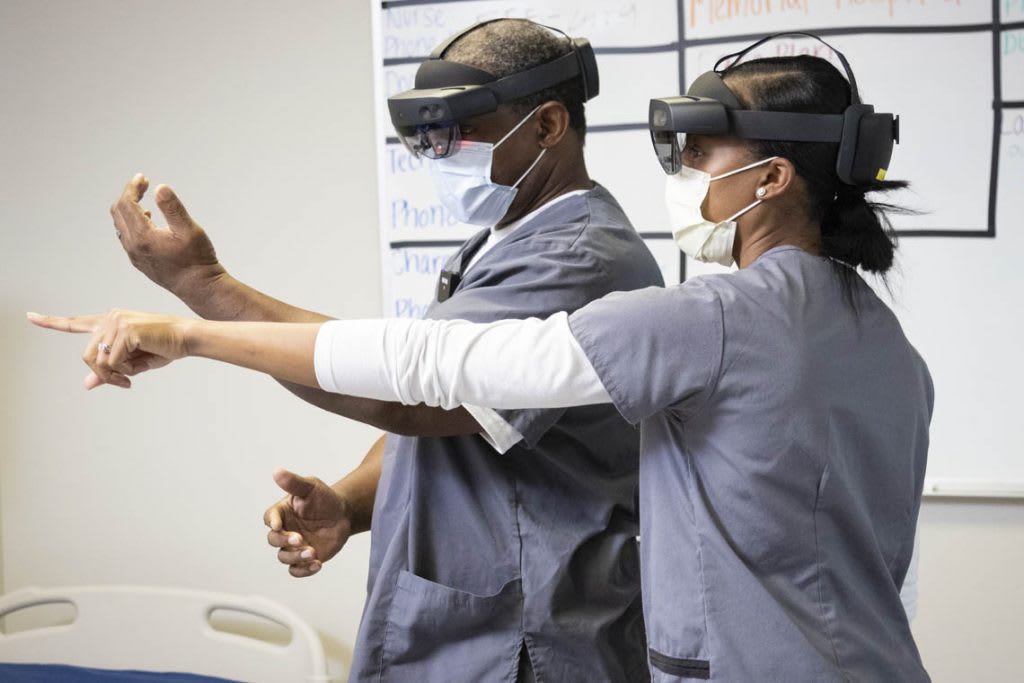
(784, 435)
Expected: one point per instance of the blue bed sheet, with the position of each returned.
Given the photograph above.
(60, 673)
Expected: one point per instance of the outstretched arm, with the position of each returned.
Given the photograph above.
(127, 343)
(506, 364)
(180, 258)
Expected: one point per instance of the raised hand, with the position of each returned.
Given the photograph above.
(309, 525)
(123, 343)
(179, 254)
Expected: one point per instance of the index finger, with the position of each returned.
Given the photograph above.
(76, 323)
(272, 518)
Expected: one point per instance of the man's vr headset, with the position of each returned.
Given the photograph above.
(709, 108)
(427, 117)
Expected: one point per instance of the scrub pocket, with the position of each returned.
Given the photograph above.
(437, 633)
(665, 669)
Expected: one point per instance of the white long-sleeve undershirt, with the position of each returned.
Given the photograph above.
(508, 364)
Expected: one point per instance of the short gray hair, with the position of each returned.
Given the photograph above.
(509, 46)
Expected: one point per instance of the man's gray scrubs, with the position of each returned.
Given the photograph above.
(784, 438)
(474, 553)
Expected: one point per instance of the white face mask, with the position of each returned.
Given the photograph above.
(463, 181)
(698, 237)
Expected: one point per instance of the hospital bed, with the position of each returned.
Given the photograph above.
(155, 634)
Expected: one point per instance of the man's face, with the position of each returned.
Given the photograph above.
(516, 153)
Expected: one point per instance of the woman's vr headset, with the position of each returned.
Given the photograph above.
(427, 117)
(709, 108)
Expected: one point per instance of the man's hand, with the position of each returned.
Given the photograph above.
(123, 343)
(174, 256)
(309, 525)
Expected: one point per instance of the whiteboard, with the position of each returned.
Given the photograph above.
(952, 69)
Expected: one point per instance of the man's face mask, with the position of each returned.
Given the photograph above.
(463, 181)
(696, 236)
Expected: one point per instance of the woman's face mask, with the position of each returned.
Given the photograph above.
(463, 181)
(696, 236)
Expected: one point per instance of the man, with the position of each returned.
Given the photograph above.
(503, 543)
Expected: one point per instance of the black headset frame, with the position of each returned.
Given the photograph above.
(446, 92)
(865, 138)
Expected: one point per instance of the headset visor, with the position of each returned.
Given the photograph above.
(671, 118)
(668, 147)
(433, 141)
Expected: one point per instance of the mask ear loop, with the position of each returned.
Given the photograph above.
(745, 168)
(517, 126)
(509, 134)
(527, 172)
(743, 211)
(760, 191)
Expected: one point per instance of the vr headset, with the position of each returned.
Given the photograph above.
(427, 117)
(709, 108)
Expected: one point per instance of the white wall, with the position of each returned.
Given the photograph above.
(970, 623)
(260, 114)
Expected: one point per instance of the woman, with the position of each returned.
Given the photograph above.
(784, 415)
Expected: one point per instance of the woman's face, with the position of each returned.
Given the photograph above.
(716, 155)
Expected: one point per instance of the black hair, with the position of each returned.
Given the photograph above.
(510, 46)
(855, 232)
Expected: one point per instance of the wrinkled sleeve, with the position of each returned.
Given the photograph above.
(448, 363)
(644, 351)
(654, 349)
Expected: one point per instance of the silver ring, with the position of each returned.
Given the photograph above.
(118, 233)
(104, 347)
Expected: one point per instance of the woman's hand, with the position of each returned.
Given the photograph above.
(124, 343)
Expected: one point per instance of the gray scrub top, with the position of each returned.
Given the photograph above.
(784, 435)
(474, 553)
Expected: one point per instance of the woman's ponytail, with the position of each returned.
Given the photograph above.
(858, 232)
